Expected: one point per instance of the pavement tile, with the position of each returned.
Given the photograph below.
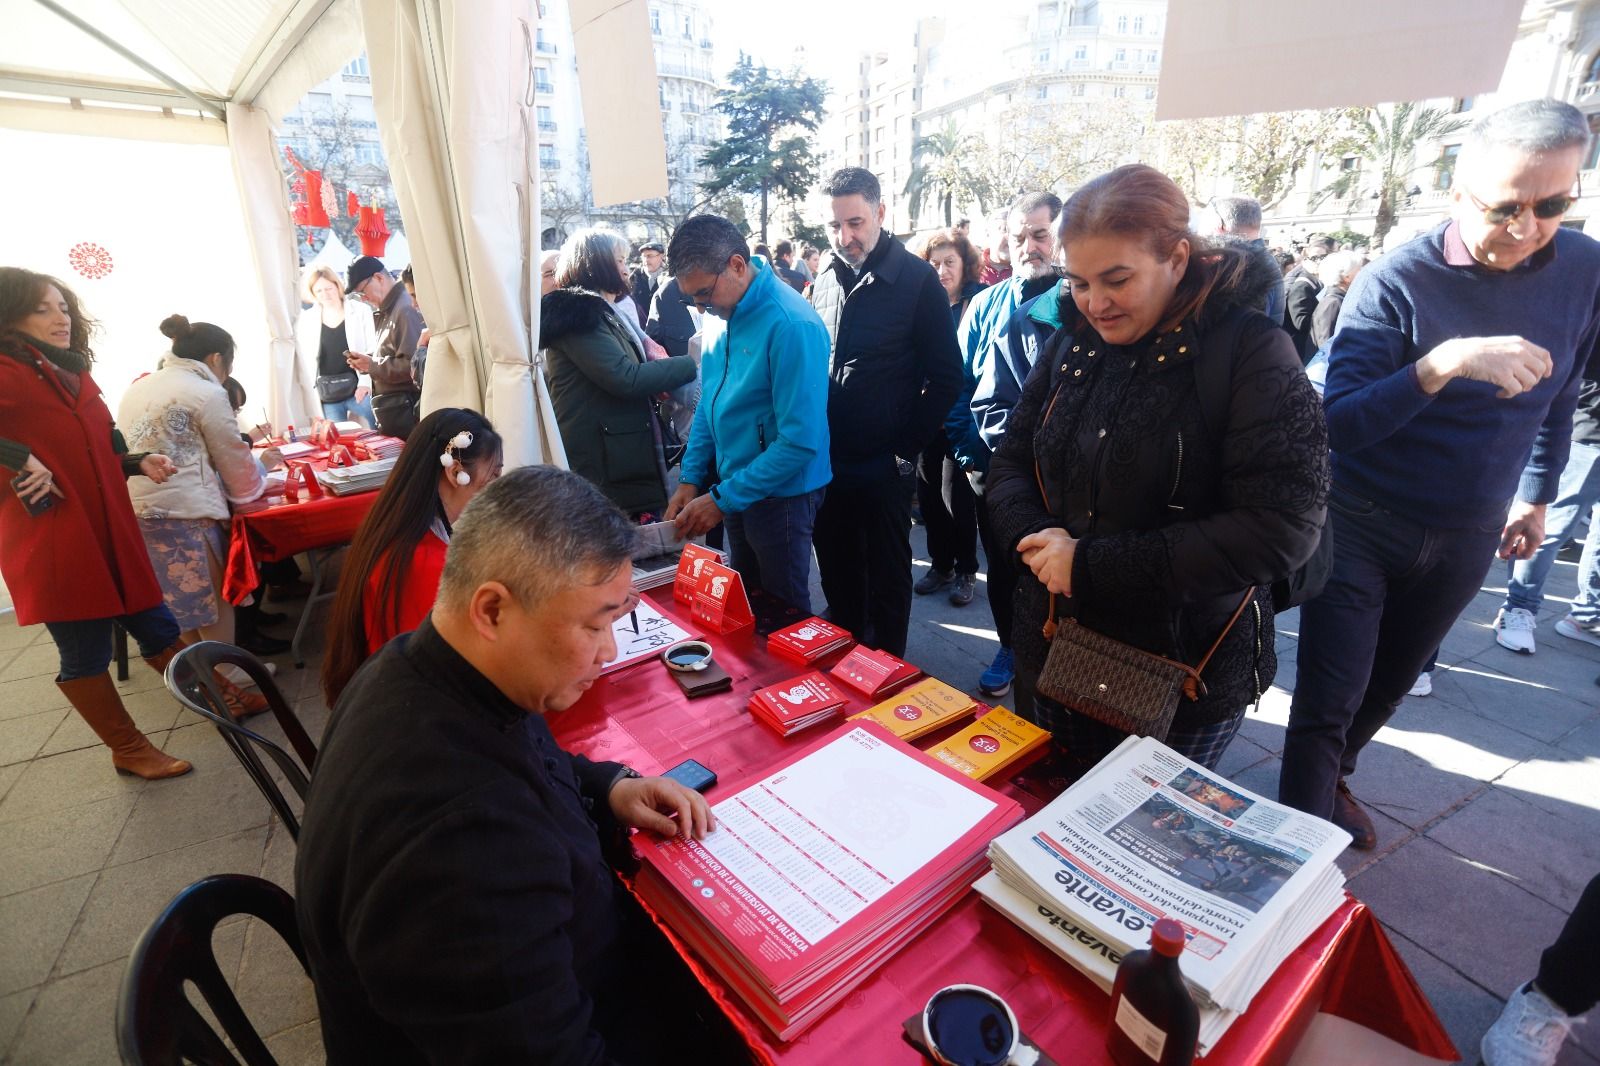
(1561, 663)
(300, 1046)
(67, 780)
(1553, 856)
(1558, 781)
(73, 1020)
(215, 799)
(272, 986)
(127, 898)
(1242, 754)
(15, 636)
(37, 924)
(277, 859)
(1392, 834)
(1264, 728)
(30, 695)
(9, 776)
(59, 844)
(31, 661)
(1405, 891)
(13, 1009)
(1585, 739)
(1528, 706)
(1466, 1009)
(21, 738)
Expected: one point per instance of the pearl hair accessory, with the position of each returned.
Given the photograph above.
(448, 457)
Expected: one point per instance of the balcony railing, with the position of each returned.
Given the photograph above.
(1589, 90)
(546, 126)
(544, 87)
(549, 164)
(681, 70)
(545, 48)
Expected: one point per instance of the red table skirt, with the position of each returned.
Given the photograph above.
(285, 530)
(639, 717)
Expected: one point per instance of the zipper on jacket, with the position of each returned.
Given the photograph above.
(761, 436)
(839, 345)
(1255, 664)
(1177, 478)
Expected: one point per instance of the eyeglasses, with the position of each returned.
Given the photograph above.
(1548, 208)
(704, 295)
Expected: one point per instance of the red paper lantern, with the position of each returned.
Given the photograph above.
(372, 231)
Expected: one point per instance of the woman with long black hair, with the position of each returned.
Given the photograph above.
(391, 573)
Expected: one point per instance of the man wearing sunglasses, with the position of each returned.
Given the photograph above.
(1453, 374)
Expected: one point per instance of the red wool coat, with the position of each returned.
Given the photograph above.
(85, 557)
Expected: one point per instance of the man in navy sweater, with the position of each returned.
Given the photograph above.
(1452, 379)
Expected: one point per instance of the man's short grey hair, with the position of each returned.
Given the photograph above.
(704, 244)
(537, 530)
(1238, 212)
(1029, 202)
(1339, 265)
(853, 181)
(1532, 127)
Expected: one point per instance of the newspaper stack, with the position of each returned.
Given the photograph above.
(362, 477)
(1148, 834)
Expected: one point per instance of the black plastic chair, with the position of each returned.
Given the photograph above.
(191, 679)
(156, 1023)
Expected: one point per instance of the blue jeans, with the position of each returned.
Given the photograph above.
(85, 646)
(1396, 589)
(1578, 495)
(769, 543)
(345, 410)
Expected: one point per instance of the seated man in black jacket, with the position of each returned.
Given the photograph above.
(451, 890)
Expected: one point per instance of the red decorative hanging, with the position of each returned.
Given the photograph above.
(90, 259)
(315, 210)
(351, 204)
(372, 231)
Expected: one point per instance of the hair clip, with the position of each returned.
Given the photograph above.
(448, 457)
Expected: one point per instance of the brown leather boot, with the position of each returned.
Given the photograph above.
(1348, 815)
(97, 701)
(241, 703)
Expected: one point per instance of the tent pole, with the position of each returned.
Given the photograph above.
(177, 86)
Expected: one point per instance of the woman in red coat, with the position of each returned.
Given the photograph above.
(391, 574)
(80, 564)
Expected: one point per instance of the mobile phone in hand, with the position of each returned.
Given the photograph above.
(34, 507)
(691, 774)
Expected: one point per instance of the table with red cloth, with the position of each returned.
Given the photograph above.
(314, 525)
(638, 716)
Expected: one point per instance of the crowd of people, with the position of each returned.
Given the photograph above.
(1113, 399)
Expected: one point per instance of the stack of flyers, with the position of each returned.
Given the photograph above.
(991, 745)
(806, 642)
(920, 709)
(797, 704)
(873, 673)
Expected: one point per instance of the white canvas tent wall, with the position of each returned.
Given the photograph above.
(172, 69)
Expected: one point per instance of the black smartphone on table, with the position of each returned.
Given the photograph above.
(34, 507)
(691, 774)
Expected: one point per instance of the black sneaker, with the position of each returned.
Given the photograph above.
(966, 588)
(933, 581)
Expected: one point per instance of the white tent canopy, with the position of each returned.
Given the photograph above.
(176, 70)
(333, 254)
(397, 252)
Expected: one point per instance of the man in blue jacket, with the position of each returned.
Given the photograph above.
(757, 459)
(1452, 379)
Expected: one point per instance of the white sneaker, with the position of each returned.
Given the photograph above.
(1589, 633)
(1424, 685)
(1513, 628)
(1529, 1032)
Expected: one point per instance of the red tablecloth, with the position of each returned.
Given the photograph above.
(1347, 968)
(286, 529)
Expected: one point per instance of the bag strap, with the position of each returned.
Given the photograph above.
(1193, 687)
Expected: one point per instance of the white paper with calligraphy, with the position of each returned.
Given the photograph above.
(656, 631)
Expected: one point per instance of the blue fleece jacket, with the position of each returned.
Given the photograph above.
(761, 429)
(982, 328)
(1454, 459)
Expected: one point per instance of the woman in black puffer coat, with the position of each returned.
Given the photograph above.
(1161, 513)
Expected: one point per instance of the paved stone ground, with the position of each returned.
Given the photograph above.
(1488, 793)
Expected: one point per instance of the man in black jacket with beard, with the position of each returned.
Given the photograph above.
(895, 372)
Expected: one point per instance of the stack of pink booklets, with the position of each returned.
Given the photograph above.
(822, 868)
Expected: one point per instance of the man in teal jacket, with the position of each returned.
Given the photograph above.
(757, 459)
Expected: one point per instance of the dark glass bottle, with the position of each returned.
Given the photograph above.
(1154, 1020)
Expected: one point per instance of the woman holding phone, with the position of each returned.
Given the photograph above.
(70, 548)
(325, 334)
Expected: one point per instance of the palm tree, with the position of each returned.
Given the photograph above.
(1388, 140)
(936, 171)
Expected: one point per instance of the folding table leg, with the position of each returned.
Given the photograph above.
(319, 559)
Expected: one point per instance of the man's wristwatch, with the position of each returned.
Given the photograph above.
(622, 775)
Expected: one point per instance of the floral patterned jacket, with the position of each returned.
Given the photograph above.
(182, 412)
